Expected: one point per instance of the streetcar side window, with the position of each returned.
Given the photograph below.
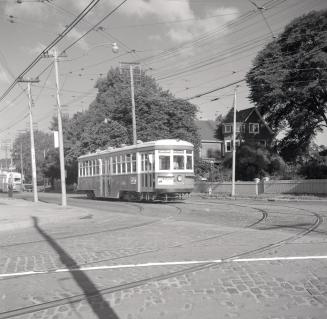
(114, 165)
(88, 168)
(97, 168)
(142, 162)
(128, 163)
(80, 171)
(134, 162)
(83, 168)
(123, 167)
(119, 164)
(189, 160)
(108, 166)
(146, 162)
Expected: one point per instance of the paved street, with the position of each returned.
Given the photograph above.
(204, 258)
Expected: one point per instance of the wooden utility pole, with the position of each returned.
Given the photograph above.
(33, 162)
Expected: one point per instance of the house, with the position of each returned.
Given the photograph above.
(251, 128)
(211, 147)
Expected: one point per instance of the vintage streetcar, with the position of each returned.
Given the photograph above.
(153, 171)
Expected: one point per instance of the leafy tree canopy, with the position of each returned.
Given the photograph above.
(43, 145)
(288, 82)
(158, 113)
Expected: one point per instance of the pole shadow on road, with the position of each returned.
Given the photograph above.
(93, 296)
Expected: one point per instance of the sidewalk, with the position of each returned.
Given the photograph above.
(264, 197)
(17, 213)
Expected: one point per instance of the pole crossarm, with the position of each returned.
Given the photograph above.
(28, 80)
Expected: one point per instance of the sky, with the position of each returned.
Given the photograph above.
(189, 46)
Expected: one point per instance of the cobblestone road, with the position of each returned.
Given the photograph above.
(118, 234)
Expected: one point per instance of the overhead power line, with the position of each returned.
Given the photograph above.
(215, 90)
(88, 8)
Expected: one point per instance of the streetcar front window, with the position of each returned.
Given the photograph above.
(189, 162)
(189, 159)
(178, 161)
(17, 180)
(164, 162)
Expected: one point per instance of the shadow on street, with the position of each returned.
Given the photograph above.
(93, 296)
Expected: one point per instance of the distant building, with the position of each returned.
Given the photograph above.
(251, 128)
(211, 147)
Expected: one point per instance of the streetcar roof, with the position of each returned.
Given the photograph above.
(167, 142)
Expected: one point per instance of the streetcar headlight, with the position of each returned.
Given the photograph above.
(179, 178)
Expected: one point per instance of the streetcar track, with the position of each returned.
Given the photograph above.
(264, 216)
(80, 297)
(84, 234)
(95, 232)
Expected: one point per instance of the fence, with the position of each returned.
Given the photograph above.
(257, 187)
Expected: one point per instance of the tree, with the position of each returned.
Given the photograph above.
(288, 83)
(158, 113)
(254, 162)
(43, 144)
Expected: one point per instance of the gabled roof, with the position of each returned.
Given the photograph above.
(243, 115)
(207, 130)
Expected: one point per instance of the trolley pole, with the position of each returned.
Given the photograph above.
(234, 145)
(30, 103)
(61, 139)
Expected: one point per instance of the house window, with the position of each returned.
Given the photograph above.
(228, 146)
(254, 128)
(243, 128)
(227, 128)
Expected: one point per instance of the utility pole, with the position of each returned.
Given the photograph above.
(61, 139)
(21, 161)
(30, 103)
(234, 145)
(131, 74)
(133, 103)
(56, 57)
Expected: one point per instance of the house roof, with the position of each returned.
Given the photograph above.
(243, 115)
(207, 130)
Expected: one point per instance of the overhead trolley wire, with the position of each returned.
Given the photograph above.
(88, 8)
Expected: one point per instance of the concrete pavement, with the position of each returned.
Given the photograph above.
(17, 213)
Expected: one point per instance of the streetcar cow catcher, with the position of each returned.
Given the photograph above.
(156, 170)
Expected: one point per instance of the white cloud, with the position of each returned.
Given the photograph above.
(162, 8)
(37, 49)
(179, 10)
(25, 9)
(4, 76)
(75, 34)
